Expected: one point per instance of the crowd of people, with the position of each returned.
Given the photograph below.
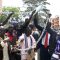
(20, 43)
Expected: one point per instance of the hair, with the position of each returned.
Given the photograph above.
(32, 26)
(28, 31)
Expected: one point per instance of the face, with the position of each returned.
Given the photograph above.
(28, 31)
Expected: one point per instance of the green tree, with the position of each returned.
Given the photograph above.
(43, 13)
(14, 9)
(2, 17)
(32, 4)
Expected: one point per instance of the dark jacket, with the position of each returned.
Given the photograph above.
(53, 34)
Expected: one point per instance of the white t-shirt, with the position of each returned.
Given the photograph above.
(22, 37)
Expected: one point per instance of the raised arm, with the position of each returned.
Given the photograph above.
(48, 28)
(24, 26)
(27, 21)
(7, 18)
(36, 23)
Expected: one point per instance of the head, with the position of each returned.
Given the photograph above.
(28, 31)
(26, 20)
(32, 26)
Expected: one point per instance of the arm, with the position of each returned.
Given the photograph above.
(7, 18)
(52, 41)
(27, 21)
(36, 23)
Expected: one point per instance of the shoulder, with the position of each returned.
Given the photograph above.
(32, 38)
(21, 37)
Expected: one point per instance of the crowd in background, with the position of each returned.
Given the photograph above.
(21, 38)
(13, 38)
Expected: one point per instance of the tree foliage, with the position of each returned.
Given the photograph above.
(43, 13)
(32, 2)
(12, 9)
(6, 11)
(2, 17)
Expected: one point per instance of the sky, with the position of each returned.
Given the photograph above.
(14, 3)
(54, 7)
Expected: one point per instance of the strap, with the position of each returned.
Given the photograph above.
(31, 41)
(26, 42)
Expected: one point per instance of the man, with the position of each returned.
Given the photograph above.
(46, 51)
(26, 41)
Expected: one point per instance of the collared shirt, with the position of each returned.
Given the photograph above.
(43, 39)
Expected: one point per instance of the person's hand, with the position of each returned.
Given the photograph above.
(32, 14)
(48, 25)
